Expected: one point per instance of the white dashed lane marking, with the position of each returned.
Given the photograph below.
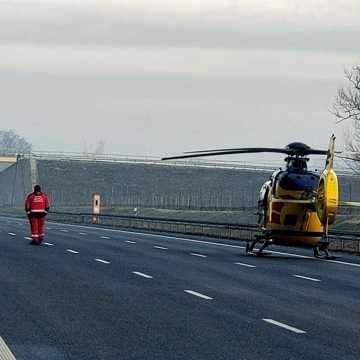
(142, 275)
(245, 265)
(48, 244)
(27, 238)
(65, 231)
(284, 326)
(202, 296)
(198, 255)
(12, 234)
(102, 261)
(104, 237)
(130, 242)
(202, 242)
(160, 247)
(72, 251)
(82, 233)
(306, 278)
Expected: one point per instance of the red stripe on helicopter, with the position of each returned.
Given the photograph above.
(276, 212)
(278, 206)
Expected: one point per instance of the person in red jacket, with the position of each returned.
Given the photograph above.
(37, 206)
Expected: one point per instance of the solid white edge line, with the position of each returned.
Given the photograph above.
(198, 255)
(245, 265)
(206, 243)
(202, 296)
(102, 261)
(284, 326)
(142, 275)
(72, 251)
(5, 352)
(306, 278)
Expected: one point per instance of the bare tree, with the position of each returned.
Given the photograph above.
(346, 107)
(11, 143)
(347, 101)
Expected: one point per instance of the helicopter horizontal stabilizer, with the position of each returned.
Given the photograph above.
(350, 203)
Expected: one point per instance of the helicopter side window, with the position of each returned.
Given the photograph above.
(299, 182)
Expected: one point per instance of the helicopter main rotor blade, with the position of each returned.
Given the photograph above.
(224, 152)
(197, 154)
(241, 150)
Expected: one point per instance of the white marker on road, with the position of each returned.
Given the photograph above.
(64, 231)
(104, 237)
(142, 275)
(284, 326)
(160, 247)
(102, 261)
(306, 278)
(245, 265)
(202, 296)
(130, 242)
(27, 238)
(12, 234)
(5, 352)
(202, 242)
(72, 251)
(48, 244)
(198, 255)
(82, 233)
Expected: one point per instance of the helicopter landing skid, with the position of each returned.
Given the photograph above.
(321, 251)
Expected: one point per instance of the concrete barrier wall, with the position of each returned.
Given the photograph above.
(71, 183)
(15, 183)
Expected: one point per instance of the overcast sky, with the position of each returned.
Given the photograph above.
(156, 77)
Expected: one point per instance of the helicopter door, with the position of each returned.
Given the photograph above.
(327, 198)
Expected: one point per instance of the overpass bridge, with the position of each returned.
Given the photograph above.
(127, 181)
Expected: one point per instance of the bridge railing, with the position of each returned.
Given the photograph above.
(340, 240)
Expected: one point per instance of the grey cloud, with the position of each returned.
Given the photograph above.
(68, 26)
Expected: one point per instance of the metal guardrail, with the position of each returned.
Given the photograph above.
(203, 228)
(341, 240)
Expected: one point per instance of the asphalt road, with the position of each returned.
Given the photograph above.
(93, 293)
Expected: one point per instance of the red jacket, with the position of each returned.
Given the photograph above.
(37, 203)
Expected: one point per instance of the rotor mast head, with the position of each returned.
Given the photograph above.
(297, 160)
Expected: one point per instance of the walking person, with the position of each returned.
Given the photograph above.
(37, 206)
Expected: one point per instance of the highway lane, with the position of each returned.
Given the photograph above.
(64, 304)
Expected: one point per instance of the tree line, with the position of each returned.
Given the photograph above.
(11, 143)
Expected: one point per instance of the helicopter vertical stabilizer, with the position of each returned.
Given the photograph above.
(327, 198)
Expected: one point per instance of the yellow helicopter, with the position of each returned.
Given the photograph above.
(296, 206)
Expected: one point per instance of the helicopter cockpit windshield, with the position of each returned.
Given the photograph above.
(291, 181)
